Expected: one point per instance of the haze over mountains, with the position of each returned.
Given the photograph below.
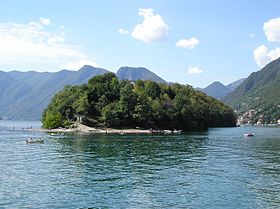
(24, 95)
(219, 90)
(140, 73)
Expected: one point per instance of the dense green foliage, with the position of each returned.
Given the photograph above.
(107, 102)
(261, 92)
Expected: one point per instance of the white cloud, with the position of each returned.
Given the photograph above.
(272, 29)
(123, 31)
(187, 43)
(56, 39)
(263, 56)
(152, 29)
(194, 70)
(22, 44)
(78, 64)
(45, 21)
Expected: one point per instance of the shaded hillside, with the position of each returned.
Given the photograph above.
(140, 73)
(23, 95)
(219, 90)
(260, 92)
(216, 90)
(232, 86)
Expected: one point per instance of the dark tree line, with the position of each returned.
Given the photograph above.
(107, 102)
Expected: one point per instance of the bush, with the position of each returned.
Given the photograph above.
(52, 120)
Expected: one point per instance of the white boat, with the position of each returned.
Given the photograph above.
(249, 134)
(34, 141)
(177, 131)
(57, 134)
(167, 131)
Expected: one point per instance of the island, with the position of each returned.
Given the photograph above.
(106, 102)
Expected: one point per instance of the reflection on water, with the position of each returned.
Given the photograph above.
(215, 169)
(136, 167)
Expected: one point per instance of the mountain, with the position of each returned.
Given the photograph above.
(140, 73)
(23, 95)
(257, 97)
(219, 90)
(216, 90)
(235, 84)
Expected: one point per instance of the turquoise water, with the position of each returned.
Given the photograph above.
(215, 169)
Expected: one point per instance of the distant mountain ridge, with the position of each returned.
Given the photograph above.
(258, 95)
(232, 86)
(219, 90)
(216, 90)
(24, 95)
(132, 73)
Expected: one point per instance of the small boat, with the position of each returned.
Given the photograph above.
(57, 134)
(177, 131)
(249, 134)
(167, 131)
(34, 141)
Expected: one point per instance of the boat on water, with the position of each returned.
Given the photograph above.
(167, 131)
(34, 141)
(177, 131)
(249, 134)
(57, 134)
(172, 131)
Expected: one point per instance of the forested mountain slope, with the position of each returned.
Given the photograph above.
(23, 95)
(259, 94)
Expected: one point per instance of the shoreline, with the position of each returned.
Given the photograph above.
(80, 128)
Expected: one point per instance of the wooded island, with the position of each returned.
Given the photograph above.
(108, 102)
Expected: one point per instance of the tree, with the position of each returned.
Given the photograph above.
(152, 89)
(142, 114)
(110, 115)
(107, 85)
(52, 120)
(127, 103)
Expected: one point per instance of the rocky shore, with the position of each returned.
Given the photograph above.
(80, 128)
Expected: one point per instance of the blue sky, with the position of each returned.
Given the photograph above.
(191, 42)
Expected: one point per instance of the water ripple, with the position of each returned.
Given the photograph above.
(215, 169)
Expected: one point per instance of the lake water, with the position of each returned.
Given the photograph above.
(215, 169)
